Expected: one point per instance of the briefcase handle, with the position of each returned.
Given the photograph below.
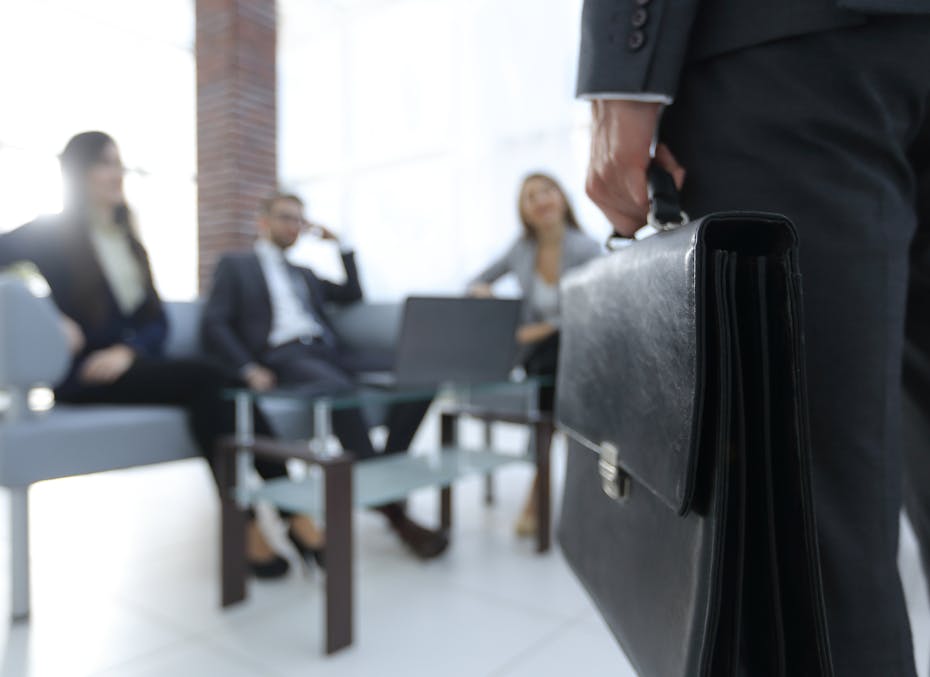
(665, 212)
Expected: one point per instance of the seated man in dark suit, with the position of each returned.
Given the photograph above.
(266, 318)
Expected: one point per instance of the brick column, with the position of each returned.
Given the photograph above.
(236, 123)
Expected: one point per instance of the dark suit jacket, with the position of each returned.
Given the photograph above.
(60, 248)
(237, 317)
(641, 46)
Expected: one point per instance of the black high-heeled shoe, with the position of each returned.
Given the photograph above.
(273, 568)
(306, 552)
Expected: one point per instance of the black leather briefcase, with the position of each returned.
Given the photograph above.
(687, 511)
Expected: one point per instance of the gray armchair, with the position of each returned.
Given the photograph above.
(76, 440)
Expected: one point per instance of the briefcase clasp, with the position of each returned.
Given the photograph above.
(614, 481)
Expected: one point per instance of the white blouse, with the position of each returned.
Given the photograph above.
(545, 300)
(120, 266)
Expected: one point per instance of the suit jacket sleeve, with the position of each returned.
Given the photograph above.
(591, 249)
(630, 47)
(217, 326)
(496, 270)
(348, 292)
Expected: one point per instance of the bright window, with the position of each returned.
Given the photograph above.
(126, 68)
(408, 124)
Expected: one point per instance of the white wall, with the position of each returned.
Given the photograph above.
(407, 125)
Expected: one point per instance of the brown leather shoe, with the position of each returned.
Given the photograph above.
(425, 543)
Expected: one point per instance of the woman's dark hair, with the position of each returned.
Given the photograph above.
(570, 219)
(80, 155)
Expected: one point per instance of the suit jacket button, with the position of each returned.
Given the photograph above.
(639, 18)
(636, 40)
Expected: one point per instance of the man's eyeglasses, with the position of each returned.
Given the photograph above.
(112, 164)
(291, 220)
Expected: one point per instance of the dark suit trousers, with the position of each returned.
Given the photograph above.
(195, 385)
(318, 368)
(916, 376)
(831, 129)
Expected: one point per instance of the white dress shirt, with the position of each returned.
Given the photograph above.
(646, 97)
(290, 319)
(120, 267)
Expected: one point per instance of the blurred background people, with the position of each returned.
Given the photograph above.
(99, 277)
(551, 244)
(266, 318)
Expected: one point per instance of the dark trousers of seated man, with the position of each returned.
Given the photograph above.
(321, 368)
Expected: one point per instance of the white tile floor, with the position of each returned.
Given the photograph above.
(126, 585)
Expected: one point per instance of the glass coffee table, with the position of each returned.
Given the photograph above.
(335, 484)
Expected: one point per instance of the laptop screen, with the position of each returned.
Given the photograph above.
(454, 339)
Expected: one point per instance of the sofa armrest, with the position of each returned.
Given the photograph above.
(33, 346)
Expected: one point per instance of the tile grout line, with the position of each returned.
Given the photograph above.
(139, 606)
(266, 671)
(141, 657)
(497, 598)
(199, 639)
(512, 662)
(164, 620)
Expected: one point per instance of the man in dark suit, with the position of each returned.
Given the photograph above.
(266, 318)
(817, 109)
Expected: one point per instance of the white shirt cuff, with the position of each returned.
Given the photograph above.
(645, 97)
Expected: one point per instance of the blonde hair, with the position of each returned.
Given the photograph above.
(569, 216)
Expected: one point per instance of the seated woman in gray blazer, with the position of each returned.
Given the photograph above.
(550, 244)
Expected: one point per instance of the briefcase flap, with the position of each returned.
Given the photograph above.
(631, 366)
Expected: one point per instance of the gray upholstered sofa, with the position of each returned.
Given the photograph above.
(66, 440)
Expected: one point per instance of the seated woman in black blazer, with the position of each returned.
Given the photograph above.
(100, 279)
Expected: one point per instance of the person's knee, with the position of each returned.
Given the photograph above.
(204, 373)
(321, 379)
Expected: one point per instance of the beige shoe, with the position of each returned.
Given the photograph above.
(526, 525)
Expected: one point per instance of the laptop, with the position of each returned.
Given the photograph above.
(453, 339)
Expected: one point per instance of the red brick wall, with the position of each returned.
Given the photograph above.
(236, 123)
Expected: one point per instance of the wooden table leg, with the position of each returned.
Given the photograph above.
(337, 478)
(445, 508)
(448, 437)
(544, 432)
(232, 529)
